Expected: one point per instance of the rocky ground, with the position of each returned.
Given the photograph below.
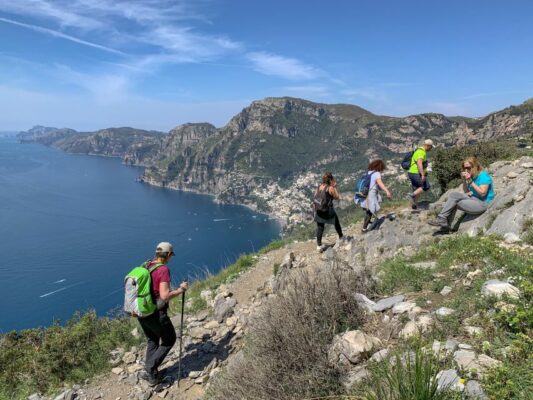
(215, 335)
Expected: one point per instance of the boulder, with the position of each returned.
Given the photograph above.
(364, 302)
(351, 347)
(446, 290)
(497, 288)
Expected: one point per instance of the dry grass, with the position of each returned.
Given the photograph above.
(286, 354)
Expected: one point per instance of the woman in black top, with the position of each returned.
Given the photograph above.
(329, 185)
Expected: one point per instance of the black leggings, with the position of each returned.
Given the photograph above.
(368, 217)
(320, 230)
(161, 337)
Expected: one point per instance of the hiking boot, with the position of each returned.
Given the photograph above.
(412, 201)
(152, 380)
(321, 248)
(440, 222)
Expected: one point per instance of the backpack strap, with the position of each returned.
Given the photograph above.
(414, 151)
(153, 267)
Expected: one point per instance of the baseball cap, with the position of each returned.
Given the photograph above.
(429, 142)
(164, 247)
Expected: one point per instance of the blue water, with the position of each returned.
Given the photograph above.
(71, 227)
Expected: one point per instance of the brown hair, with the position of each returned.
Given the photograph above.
(376, 165)
(476, 166)
(328, 178)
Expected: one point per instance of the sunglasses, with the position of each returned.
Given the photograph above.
(467, 167)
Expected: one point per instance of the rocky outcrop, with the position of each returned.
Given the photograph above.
(511, 207)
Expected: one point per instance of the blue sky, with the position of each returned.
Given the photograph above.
(90, 64)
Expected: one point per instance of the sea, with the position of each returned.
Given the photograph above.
(72, 226)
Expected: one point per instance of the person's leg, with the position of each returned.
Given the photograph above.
(450, 207)
(150, 327)
(319, 233)
(168, 338)
(368, 218)
(416, 186)
(472, 206)
(338, 226)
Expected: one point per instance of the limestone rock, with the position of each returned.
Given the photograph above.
(224, 307)
(129, 358)
(446, 290)
(380, 355)
(351, 347)
(511, 237)
(364, 302)
(389, 302)
(117, 371)
(497, 288)
(444, 312)
(449, 380)
(474, 391)
(404, 306)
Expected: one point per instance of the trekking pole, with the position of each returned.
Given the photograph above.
(181, 335)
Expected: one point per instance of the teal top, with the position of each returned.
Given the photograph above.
(483, 179)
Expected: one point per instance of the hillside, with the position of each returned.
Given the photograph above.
(396, 303)
(271, 154)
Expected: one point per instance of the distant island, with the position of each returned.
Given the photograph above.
(270, 155)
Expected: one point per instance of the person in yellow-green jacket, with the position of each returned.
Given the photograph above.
(418, 172)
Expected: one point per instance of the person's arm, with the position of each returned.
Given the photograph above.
(333, 191)
(166, 294)
(420, 165)
(480, 189)
(382, 186)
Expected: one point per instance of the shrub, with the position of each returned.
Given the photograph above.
(285, 356)
(42, 359)
(407, 378)
(446, 162)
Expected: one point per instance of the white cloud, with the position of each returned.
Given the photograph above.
(61, 35)
(450, 108)
(284, 67)
(368, 93)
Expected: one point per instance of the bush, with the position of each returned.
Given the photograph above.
(407, 378)
(285, 356)
(42, 359)
(446, 162)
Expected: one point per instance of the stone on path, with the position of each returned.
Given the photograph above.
(511, 237)
(444, 312)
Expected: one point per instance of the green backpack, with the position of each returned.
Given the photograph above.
(138, 300)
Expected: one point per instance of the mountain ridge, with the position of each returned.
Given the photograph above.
(276, 142)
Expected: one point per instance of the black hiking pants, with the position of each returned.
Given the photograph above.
(368, 218)
(320, 230)
(161, 337)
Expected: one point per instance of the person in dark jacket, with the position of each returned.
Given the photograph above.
(157, 327)
(329, 186)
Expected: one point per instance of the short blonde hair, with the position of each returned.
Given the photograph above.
(476, 166)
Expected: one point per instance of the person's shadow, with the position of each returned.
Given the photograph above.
(198, 356)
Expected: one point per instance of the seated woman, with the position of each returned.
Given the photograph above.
(372, 202)
(478, 193)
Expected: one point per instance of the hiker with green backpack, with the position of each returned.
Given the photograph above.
(147, 294)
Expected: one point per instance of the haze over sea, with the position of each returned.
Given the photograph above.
(72, 226)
